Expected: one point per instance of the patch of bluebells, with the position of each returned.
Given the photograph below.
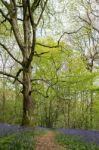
(14, 137)
(87, 136)
(7, 129)
(22, 141)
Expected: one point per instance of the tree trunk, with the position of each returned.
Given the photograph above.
(3, 96)
(91, 109)
(27, 99)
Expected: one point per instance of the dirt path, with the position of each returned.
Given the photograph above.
(46, 142)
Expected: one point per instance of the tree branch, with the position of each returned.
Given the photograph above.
(7, 50)
(89, 23)
(58, 42)
(35, 5)
(45, 3)
(48, 46)
(5, 3)
(18, 73)
(4, 15)
(38, 55)
(11, 76)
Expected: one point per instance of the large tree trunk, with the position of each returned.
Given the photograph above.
(26, 40)
(27, 99)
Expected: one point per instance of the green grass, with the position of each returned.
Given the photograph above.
(20, 141)
(74, 143)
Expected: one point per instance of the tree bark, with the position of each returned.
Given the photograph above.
(27, 98)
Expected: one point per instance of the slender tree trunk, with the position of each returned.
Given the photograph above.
(68, 113)
(91, 100)
(4, 97)
(4, 100)
(91, 109)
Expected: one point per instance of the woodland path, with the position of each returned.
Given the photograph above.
(47, 142)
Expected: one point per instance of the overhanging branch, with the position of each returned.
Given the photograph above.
(59, 40)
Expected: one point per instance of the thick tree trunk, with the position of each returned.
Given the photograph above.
(26, 41)
(27, 99)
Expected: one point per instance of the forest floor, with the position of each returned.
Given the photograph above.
(47, 142)
(48, 139)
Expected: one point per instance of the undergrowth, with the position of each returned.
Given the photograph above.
(20, 141)
(74, 143)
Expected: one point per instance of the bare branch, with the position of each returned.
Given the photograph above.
(5, 3)
(89, 23)
(48, 46)
(35, 5)
(7, 50)
(4, 15)
(31, 15)
(58, 42)
(11, 76)
(18, 73)
(73, 32)
(45, 3)
(38, 55)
